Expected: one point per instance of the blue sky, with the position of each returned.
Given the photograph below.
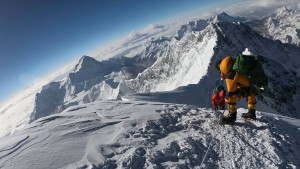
(39, 36)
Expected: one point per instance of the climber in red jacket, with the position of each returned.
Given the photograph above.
(218, 98)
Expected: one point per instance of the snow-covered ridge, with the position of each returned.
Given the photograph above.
(90, 80)
(185, 62)
(117, 134)
(283, 25)
(196, 25)
(190, 60)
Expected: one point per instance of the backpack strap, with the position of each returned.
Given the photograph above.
(231, 74)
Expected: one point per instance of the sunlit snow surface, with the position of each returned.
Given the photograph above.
(119, 134)
(15, 112)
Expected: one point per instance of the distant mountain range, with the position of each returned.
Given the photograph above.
(284, 25)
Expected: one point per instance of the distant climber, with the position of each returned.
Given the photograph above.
(218, 98)
(244, 77)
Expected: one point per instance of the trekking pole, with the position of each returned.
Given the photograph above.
(223, 112)
(206, 153)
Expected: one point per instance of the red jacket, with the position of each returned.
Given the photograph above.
(218, 99)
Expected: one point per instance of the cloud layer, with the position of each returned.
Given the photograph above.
(248, 8)
(255, 8)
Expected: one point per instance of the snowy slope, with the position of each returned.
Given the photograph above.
(116, 134)
(185, 62)
(15, 112)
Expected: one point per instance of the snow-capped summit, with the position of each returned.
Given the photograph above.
(84, 61)
(87, 68)
(224, 17)
(283, 12)
(196, 25)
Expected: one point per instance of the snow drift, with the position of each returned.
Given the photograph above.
(117, 134)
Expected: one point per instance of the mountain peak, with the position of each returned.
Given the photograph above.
(223, 14)
(224, 17)
(284, 12)
(86, 58)
(85, 61)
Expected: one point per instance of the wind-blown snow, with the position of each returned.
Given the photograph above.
(15, 113)
(116, 134)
